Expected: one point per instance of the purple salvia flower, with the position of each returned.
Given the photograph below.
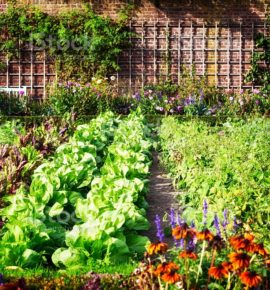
(191, 245)
(216, 224)
(181, 243)
(192, 225)
(1, 280)
(160, 234)
(235, 224)
(205, 211)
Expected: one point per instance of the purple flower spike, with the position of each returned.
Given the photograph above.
(216, 224)
(235, 224)
(192, 225)
(182, 243)
(160, 234)
(191, 245)
(1, 280)
(205, 211)
(172, 218)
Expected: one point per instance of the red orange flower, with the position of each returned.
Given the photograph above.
(182, 232)
(157, 248)
(166, 267)
(239, 260)
(171, 277)
(205, 235)
(243, 242)
(259, 249)
(219, 272)
(250, 279)
(188, 255)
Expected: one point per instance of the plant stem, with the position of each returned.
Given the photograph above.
(228, 282)
(200, 265)
(212, 264)
(187, 276)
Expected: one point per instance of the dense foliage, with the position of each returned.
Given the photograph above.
(23, 147)
(259, 73)
(228, 165)
(58, 220)
(82, 43)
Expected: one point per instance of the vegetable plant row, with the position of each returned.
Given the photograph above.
(226, 165)
(85, 203)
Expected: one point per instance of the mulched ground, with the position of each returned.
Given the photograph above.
(161, 198)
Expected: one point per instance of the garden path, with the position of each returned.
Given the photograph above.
(161, 198)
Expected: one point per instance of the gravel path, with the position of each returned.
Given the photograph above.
(161, 198)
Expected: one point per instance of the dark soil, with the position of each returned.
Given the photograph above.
(161, 198)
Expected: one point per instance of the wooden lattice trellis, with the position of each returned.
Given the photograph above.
(220, 52)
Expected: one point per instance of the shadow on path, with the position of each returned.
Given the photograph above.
(161, 198)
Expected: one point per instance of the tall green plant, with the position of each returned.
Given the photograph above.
(259, 73)
(82, 42)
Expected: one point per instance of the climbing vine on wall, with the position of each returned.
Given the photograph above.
(82, 43)
(259, 73)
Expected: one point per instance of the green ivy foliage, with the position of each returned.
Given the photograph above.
(82, 43)
(259, 73)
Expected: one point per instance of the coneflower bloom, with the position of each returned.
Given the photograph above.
(259, 249)
(239, 260)
(220, 271)
(250, 279)
(171, 277)
(243, 242)
(157, 248)
(183, 231)
(205, 235)
(188, 255)
(165, 268)
(217, 242)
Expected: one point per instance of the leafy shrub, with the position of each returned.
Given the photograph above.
(194, 97)
(82, 43)
(22, 152)
(259, 73)
(13, 105)
(228, 165)
(89, 99)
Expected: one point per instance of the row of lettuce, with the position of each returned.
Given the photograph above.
(86, 202)
(226, 165)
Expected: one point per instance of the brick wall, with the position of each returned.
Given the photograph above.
(217, 39)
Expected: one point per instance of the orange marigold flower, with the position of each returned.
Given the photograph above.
(239, 260)
(157, 248)
(165, 268)
(259, 249)
(205, 235)
(171, 277)
(243, 242)
(267, 263)
(250, 279)
(219, 272)
(188, 254)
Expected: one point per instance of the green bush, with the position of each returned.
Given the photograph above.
(228, 165)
